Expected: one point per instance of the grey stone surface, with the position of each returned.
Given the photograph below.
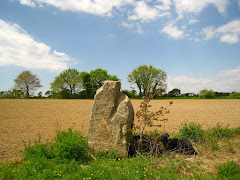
(111, 121)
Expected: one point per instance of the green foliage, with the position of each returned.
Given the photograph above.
(73, 84)
(229, 170)
(130, 94)
(67, 80)
(192, 131)
(210, 137)
(148, 78)
(98, 76)
(37, 150)
(174, 93)
(27, 82)
(11, 94)
(85, 79)
(41, 161)
(220, 132)
(206, 94)
(70, 145)
(234, 95)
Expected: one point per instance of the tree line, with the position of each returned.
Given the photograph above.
(72, 84)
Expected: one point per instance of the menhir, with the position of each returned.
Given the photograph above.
(111, 123)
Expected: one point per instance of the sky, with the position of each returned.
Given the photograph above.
(196, 42)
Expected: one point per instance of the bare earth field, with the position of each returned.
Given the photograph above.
(24, 120)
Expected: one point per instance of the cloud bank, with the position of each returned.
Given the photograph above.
(227, 81)
(20, 49)
(137, 12)
(228, 33)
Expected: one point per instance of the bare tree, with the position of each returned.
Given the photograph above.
(27, 82)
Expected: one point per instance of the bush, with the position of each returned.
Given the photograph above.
(206, 94)
(37, 150)
(229, 170)
(234, 95)
(192, 131)
(69, 145)
(222, 132)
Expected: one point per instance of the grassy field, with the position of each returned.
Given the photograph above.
(66, 157)
(24, 120)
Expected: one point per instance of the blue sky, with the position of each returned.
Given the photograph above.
(196, 42)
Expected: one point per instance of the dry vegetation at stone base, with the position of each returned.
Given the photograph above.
(24, 120)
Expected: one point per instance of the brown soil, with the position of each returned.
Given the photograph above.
(24, 120)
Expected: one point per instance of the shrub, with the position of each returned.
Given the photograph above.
(206, 94)
(38, 149)
(229, 170)
(192, 131)
(234, 95)
(222, 132)
(70, 145)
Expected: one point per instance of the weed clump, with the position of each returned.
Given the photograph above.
(69, 145)
(193, 131)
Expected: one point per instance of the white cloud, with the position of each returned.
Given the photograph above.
(225, 81)
(230, 73)
(127, 25)
(173, 31)
(228, 33)
(187, 84)
(28, 3)
(230, 38)
(139, 29)
(165, 5)
(20, 49)
(136, 27)
(193, 21)
(98, 7)
(229, 80)
(143, 12)
(196, 6)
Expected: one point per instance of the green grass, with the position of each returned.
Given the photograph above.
(66, 157)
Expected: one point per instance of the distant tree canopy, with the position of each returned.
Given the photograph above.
(27, 82)
(206, 94)
(11, 94)
(234, 95)
(174, 92)
(148, 78)
(67, 81)
(73, 84)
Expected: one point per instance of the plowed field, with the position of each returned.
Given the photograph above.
(24, 120)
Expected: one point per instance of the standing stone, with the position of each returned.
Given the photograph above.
(111, 121)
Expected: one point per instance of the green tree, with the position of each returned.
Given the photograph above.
(234, 95)
(67, 81)
(130, 94)
(86, 85)
(206, 94)
(148, 78)
(98, 76)
(27, 82)
(40, 94)
(174, 92)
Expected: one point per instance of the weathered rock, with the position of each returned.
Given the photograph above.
(111, 121)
